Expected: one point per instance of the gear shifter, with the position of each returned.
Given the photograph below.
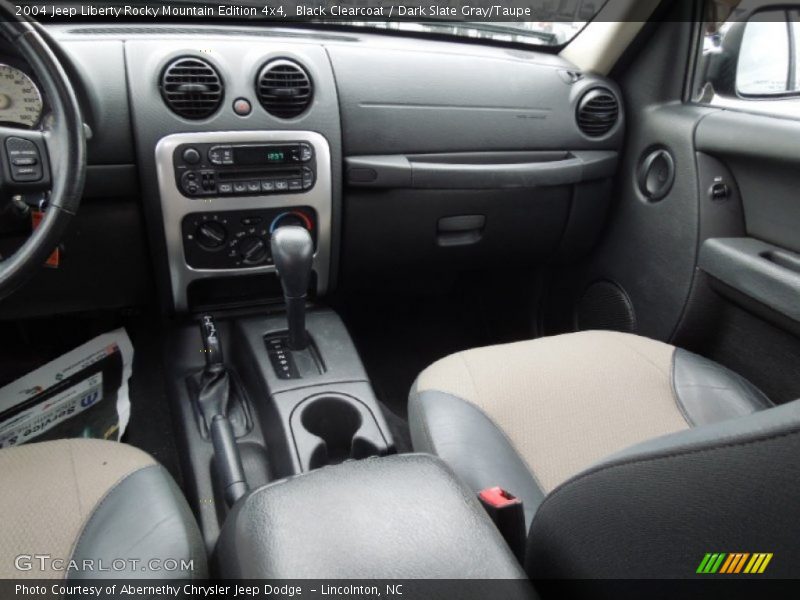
(293, 253)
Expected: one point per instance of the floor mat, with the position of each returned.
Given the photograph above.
(151, 427)
(398, 340)
(398, 335)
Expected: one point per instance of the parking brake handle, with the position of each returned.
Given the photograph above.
(213, 399)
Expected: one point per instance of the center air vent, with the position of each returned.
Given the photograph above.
(284, 88)
(192, 88)
(598, 112)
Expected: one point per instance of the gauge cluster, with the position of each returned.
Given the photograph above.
(21, 102)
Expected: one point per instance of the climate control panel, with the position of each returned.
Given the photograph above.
(238, 239)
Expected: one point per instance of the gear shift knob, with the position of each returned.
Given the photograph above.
(293, 254)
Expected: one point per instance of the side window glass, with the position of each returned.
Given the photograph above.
(795, 34)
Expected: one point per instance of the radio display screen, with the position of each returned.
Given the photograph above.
(262, 155)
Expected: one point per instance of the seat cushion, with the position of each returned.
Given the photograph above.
(527, 416)
(82, 499)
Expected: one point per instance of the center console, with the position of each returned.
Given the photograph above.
(274, 391)
(223, 195)
(402, 517)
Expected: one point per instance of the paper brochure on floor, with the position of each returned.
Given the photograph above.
(83, 393)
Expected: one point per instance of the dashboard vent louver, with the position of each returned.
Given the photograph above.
(598, 112)
(192, 88)
(284, 88)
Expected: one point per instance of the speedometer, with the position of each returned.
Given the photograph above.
(20, 99)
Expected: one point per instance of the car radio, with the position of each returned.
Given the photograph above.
(212, 170)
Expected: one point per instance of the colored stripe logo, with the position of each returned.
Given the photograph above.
(734, 563)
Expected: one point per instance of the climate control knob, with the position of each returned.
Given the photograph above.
(210, 235)
(253, 249)
(293, 217)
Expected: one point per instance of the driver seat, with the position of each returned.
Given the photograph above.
(633, 458)
(92, 500)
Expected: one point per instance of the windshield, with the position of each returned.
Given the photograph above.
(540, 33)
(536, 22)
(557, 21)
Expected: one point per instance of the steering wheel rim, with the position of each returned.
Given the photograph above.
(64, 143)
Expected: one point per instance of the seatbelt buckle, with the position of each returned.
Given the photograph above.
(508, 514)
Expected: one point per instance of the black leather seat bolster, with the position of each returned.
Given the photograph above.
(707, 392)
(463, 436)
(404, 516)
(146, 518)
(655, 509)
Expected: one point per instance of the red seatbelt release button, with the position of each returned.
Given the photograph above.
(497, 497)
(508, 514)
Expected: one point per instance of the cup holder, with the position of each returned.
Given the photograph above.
(330, 429)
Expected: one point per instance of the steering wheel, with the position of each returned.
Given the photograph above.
(59, 149)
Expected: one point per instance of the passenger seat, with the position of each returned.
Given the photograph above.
(633, 458)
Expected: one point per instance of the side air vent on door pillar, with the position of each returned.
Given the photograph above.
(598, 112)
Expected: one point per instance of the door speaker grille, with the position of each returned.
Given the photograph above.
(605, 305)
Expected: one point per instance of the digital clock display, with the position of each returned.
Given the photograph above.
(263, 155)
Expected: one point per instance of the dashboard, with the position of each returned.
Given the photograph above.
(400, 155)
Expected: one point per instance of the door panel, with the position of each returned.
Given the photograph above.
(714, 266)
(763, 153)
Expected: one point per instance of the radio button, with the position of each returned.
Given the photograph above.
(308, 178)
(191, 156)
(253, 187)
(225, 188)
(240, 187)
(208, 181)
(295, 184)
(267, 185)
(220, 155)
(306, 152)
(281, 185)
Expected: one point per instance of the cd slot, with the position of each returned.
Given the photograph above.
(239, 175)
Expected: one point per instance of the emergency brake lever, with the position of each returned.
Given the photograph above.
(213, 399)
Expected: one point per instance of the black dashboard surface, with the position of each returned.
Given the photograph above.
(374, 96)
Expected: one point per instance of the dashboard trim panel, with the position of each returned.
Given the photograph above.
(175, 206)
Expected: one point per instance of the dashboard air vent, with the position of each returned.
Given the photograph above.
(192, 88)
(284, 88)
(598, 112)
